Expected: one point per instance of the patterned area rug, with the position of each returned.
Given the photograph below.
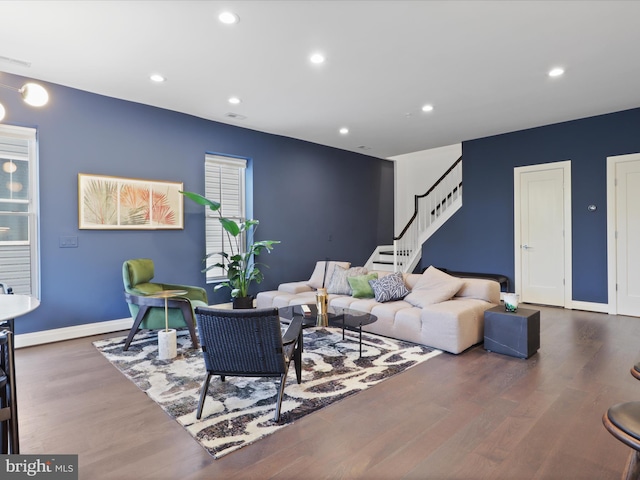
(240, 410)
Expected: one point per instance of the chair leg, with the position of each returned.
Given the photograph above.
(283, 380)
(203, 395)
(136, 326)
(187, 313)
(632, 470)
(297, 360)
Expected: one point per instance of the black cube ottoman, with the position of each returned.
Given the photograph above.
(512, 333)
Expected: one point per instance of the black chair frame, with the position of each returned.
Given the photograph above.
(263, 328)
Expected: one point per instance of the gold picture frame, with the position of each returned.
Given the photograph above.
(118, 203)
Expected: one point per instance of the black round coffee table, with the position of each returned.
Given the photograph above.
(345, 318)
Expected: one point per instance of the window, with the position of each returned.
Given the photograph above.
(224, 183)
(19, 266)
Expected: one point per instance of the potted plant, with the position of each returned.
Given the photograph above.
(239, 263)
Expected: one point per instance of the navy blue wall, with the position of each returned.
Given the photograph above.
(479, 237)
(318, 201)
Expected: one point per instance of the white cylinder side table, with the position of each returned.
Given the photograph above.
(167, 338)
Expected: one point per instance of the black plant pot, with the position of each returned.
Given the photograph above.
(242, 302)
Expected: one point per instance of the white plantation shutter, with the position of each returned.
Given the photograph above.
(19, 210)
(224, 183)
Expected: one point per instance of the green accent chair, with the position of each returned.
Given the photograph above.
(148, 312)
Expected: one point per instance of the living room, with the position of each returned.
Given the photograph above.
(321, 202)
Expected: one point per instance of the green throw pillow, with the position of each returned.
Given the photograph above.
(360, 285)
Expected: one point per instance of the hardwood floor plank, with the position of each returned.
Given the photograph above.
(499, 444)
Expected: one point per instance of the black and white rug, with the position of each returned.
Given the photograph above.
(240, 410)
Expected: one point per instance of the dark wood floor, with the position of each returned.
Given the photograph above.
(477, 415)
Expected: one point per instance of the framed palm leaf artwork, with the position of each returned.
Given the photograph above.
(116, 203)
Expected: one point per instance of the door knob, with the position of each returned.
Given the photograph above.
(525, 247)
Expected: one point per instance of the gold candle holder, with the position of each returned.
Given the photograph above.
(322, 303)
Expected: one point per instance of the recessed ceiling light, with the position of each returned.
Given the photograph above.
(344, 130)
(556, 72)
(427, 108)
(234, 100)
(228, 18)
(157, 78)
(317, 58)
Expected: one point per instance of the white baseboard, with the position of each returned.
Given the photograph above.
(590, 306)
(67, 333)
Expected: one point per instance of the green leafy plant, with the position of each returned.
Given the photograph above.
(239, 263)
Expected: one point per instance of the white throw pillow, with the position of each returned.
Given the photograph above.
(319, 277)
(435, 286)
(339, 283)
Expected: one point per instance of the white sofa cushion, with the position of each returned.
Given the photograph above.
(321, 275)
(265, 299)
(405, 325)
(454, 325)
(343, 301)
(435, 286)
(386, 312)
(410, 279)
(295, 287)
(359, 304)
(480, 289)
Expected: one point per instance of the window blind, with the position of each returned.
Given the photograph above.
(224, 183)
(19, 210)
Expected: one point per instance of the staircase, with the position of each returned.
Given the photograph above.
(431, 211)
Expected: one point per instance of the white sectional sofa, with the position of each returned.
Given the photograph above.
(439, 311)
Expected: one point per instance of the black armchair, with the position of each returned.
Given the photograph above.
(248, 343)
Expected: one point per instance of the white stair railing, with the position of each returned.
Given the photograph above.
(430, 211)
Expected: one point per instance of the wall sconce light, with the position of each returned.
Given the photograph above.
(32, 94)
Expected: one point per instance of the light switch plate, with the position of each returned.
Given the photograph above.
(68, 242)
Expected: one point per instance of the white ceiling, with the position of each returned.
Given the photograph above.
(482, 64)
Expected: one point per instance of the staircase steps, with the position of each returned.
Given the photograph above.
(431, 211)
(384, 260)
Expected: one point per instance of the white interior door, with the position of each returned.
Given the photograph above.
(628, 237)
(541, 229)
